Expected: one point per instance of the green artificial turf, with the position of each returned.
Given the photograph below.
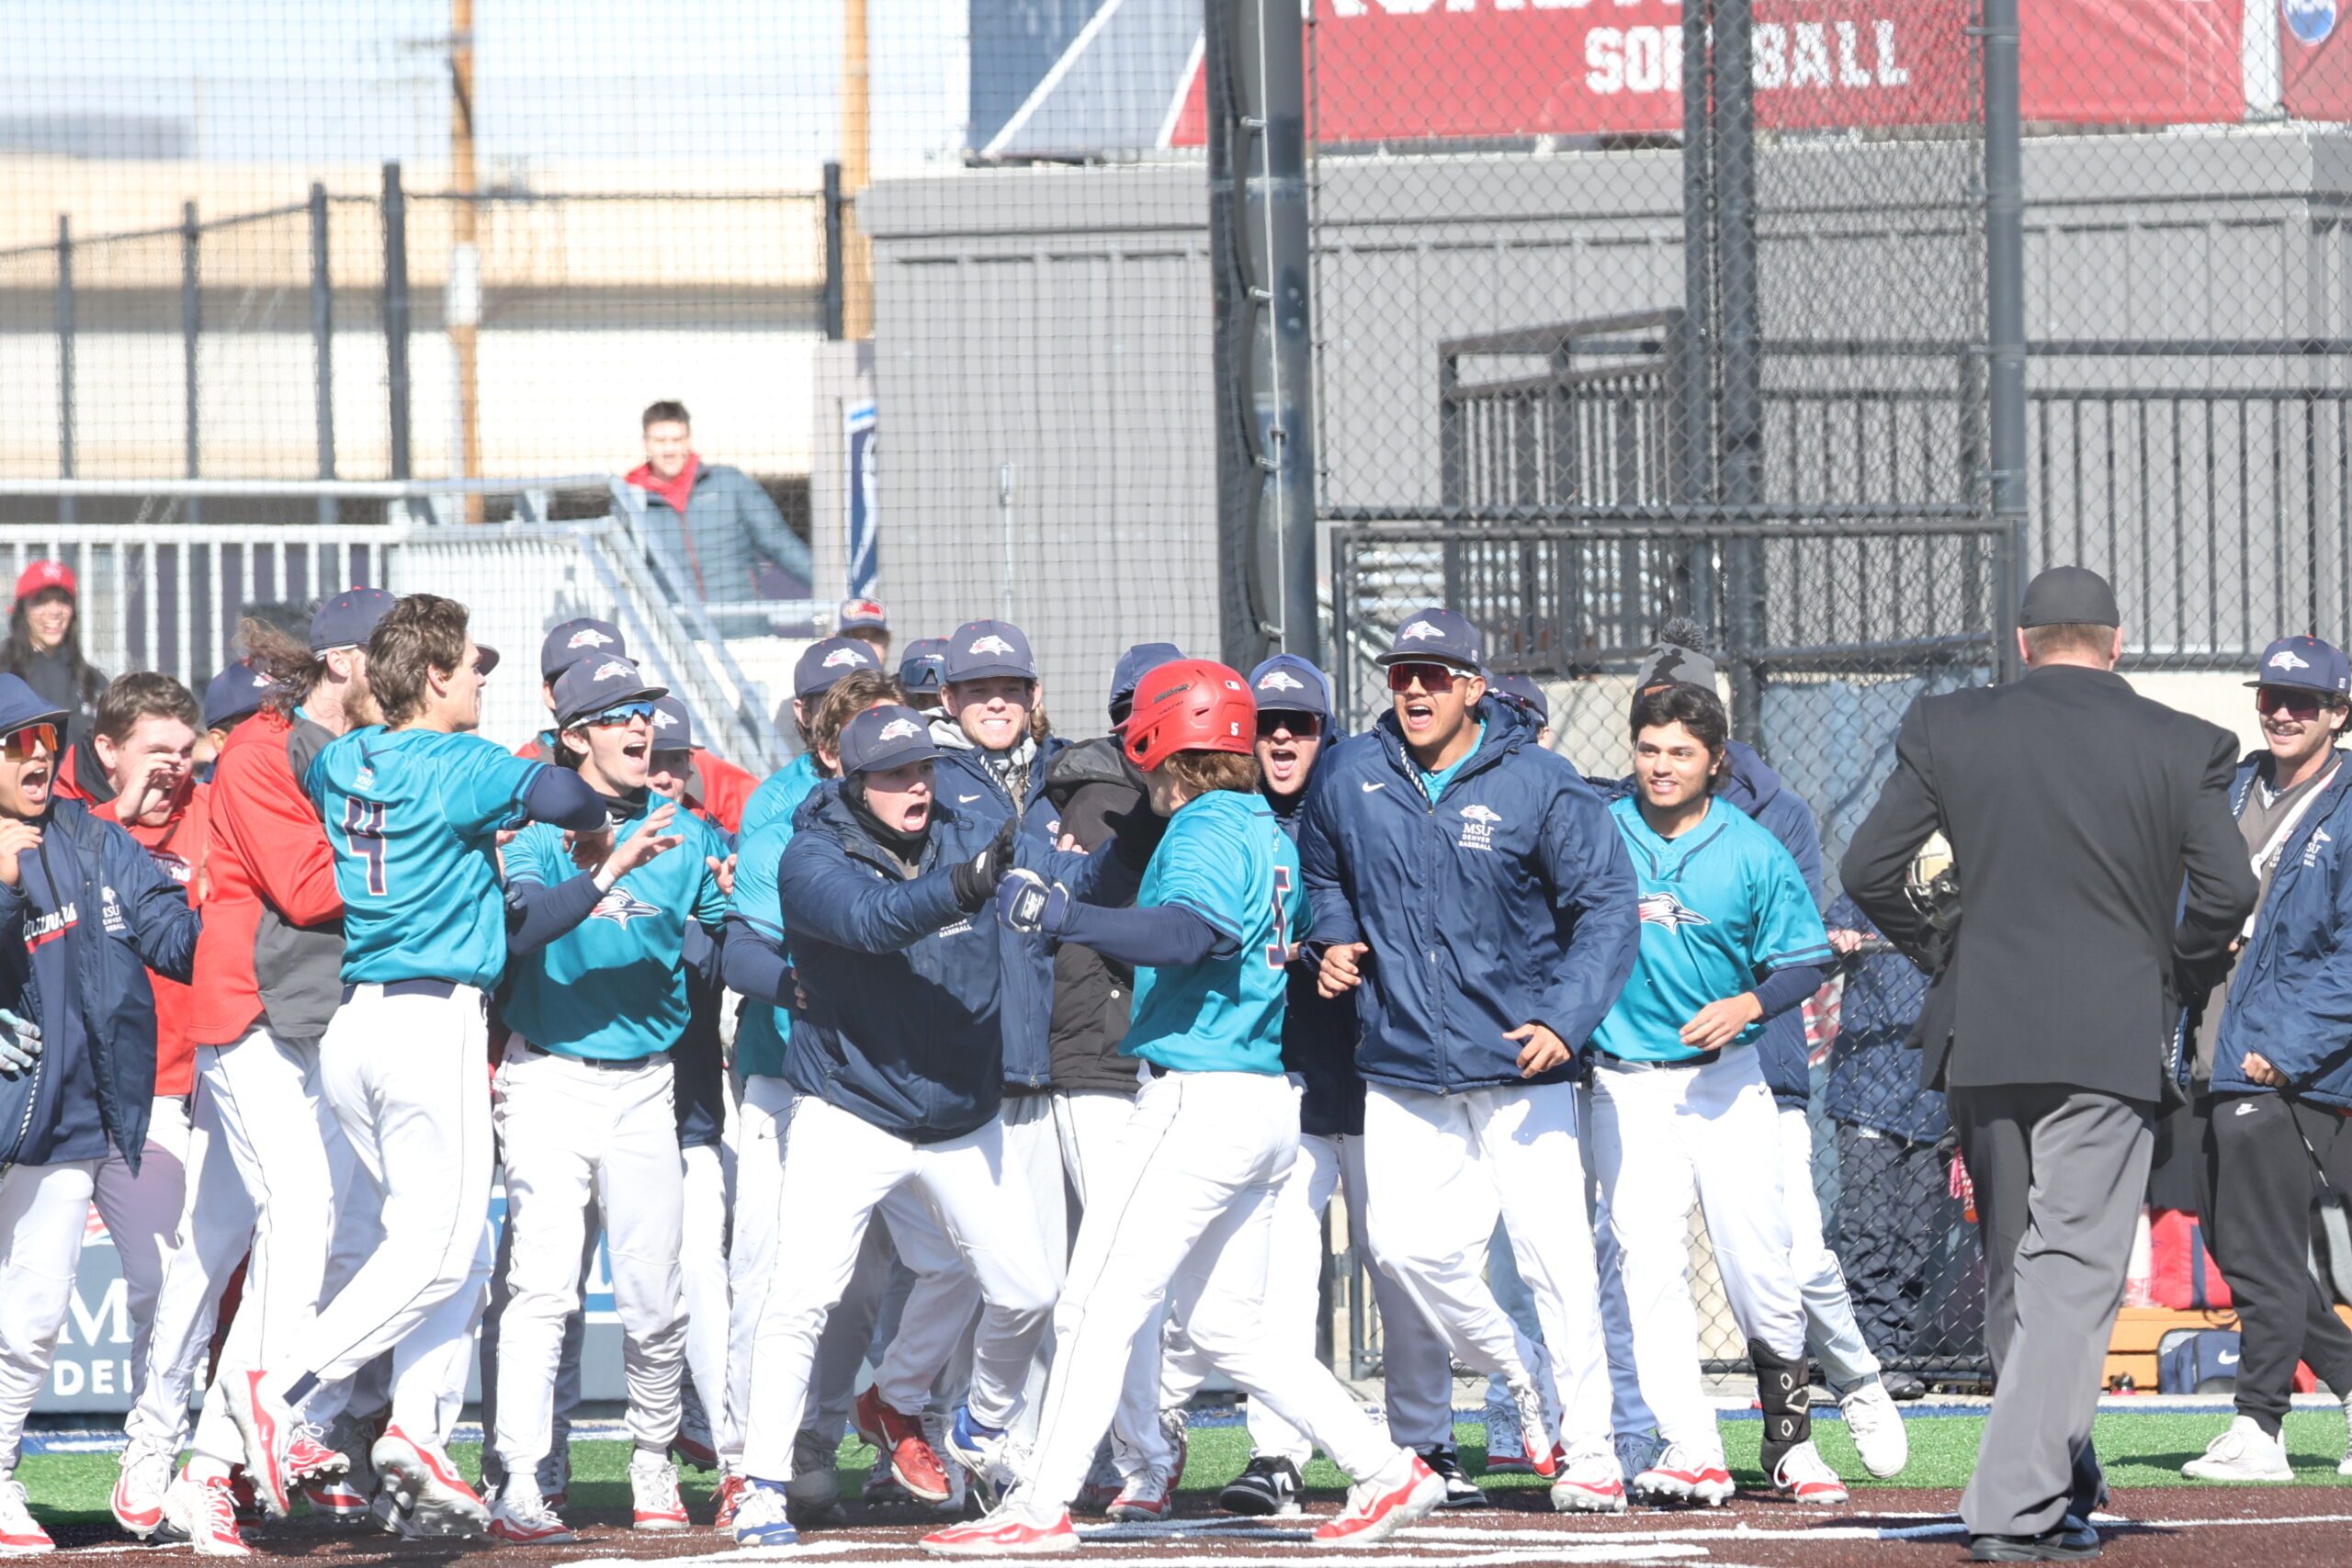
(2139, 1450)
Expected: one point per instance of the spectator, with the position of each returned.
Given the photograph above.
(1890, 1142)
(869, 623)
(712, 525)
(44, 644)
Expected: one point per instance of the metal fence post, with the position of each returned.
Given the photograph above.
(833, 296)
(323, 341)
(1691, 341)
(191, 333)
(64, 361)
(396, 308)
(2004, 298)
(1741, 451)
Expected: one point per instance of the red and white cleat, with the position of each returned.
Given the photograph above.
(653, 1495)
(1403, 1491)
(267, 1426)
(206, 1512)
(899, 1442)
(1144, 1497)
(1008, 1532)
(1680, 1475)
(1589, 1483)
(431, 1496)
(1804, 1476)
(139, 1488)
(20, 1533)
(337, 1501)
(522, 1517)
(308, 1458)
(1535, 1429)
(729, 1496)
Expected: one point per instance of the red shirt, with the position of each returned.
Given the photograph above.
(179, 847)
(676, 492)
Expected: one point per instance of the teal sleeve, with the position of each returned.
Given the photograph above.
(1201, 869)
(1788, 926)
(482, 790)
(756, 900)
(710, 904)
(527, 858)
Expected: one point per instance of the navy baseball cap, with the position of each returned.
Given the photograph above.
(1440, 635)
(888, 736)
(922, 667)
(581, 638)
(981, 649)
(674, 726)
(590, 687)
(1133, 665)
(860, 615)
(21, 707)
(234, 694)
(346, 620)
(2307, 664)
(828, 661)
(1287, 683)
(1524, 692)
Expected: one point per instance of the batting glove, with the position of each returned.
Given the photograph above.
(19, 1043)
(1027, 903)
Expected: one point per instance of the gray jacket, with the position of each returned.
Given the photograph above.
(729, 523)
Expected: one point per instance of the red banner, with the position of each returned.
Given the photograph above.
(1419, 70)
(2314, 60)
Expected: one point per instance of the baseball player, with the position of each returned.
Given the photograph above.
(1470, 885)
(719, 785)
(84, 913)
(232, 696)
(270, 952)
(813, 676)
(921, 671)
(413, 811)
(897, 1062)
(1296, 722)
(1680, 1112)
(1189, 1213)
(867, 621)
(596, 997)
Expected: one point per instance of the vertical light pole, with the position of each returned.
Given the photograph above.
(857, 170)
(463, 293)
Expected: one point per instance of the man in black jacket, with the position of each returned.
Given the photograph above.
(2073, 807)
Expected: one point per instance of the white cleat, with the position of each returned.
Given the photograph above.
(206, 1513)
(1876, 1427)
(2244, 1452)
(1589, 1483)
(1681, 1476)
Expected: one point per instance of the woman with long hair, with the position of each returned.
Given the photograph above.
(44, 644)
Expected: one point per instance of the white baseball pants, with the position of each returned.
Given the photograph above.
(837, 1171)
(575, 1134)
(1440, 1170)
(44, 1212)
(761, 1117)
(702, 1275)
(1188, 1219)
(405, 1074)
(1665, 1137)
(216, 1231)
(1831, 1335)
(142, 1215)
(1033, 1163)
(1090, 1125)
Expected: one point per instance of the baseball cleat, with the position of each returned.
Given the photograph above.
(935, 1432)
(435, 1499)
(2243, 1452)
(521, 1517)
(308, 1458)
(694, 1449)
(1636, 1451)
(1804, 1476)
(1460, 1491)
(1876, 1427)
(900, 1448)
(729, 1496)
(338, 1501)
(990, 1457)
(206, 1513)
(139, 1487)
(1589, 1483)
(1403, 1491)
(761, 1519)
(1506, 1449)
(1680, 1475)
(654, 1502)
(1007, 1533)
(20, 1533)
(1148, 1494)
(1268, 1489)
(267, 1426)
(1534, 1427)
(1103, 1483)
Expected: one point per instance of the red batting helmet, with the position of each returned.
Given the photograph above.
(1190, 704)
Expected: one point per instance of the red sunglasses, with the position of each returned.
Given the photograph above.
(32, 741)
(1433, 678)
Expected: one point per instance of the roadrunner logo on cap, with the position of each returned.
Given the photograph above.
(991, 644)
(260, 680)
(843, 656)
(1281, 681)
(612, 669)
(587, 637)
(899, 729)
(2286, 660)
(1666, 909)
(1478, 824)
(662, 720)
(1417, 630)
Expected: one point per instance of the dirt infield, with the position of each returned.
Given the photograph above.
(2286, 1527)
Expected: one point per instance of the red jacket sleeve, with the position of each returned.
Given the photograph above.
(258, 806)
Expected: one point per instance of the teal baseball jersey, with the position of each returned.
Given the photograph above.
(760, 1029)
(1723, 904)
(613, 986)
(414, 817)
(1226, 859)
(779, 795)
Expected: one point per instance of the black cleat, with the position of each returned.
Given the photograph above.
(1268, 1488)
(1460, 1491)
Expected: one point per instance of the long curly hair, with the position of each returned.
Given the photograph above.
(18, 653)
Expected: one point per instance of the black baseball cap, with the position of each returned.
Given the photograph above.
(590, 687)
(346, 620)
(1440, 635)
(234, 694)
(2068, 596)
(584, 637)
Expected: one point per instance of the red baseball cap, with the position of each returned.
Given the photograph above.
(46, 574)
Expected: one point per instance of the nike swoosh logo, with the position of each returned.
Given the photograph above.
(2245, 1109)
(966, 799)
(1370, 788)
